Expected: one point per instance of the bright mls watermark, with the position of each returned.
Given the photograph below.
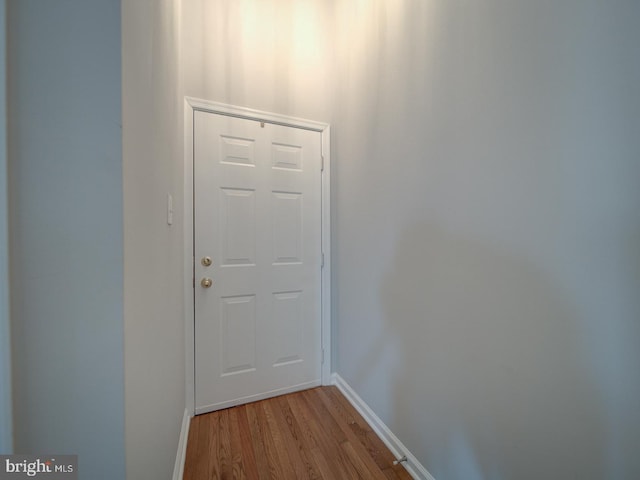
(49, 467)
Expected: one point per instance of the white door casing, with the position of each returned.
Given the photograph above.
(258, 190)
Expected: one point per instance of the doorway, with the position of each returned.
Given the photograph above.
(259, 271)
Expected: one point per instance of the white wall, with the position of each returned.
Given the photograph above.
(487, 250)
(153, 251)
(486, 219)
(273, 55)
(6, 415)
(65, 205)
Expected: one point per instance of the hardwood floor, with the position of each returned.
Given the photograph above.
(314, 434)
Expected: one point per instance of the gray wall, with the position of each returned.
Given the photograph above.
(153, 251)
(6, 415)
(487, 248)
(65, 177)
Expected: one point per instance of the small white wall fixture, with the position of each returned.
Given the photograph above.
(191, 105)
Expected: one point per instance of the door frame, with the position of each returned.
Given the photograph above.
(191, 105)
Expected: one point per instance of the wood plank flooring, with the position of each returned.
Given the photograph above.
(314, 434)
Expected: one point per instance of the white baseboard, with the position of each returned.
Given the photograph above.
(178, 468)
(412, 465)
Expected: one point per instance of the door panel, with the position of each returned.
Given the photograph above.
(237, 229)
(257, 214)
(287, 228)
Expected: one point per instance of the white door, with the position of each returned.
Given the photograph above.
(257, 216)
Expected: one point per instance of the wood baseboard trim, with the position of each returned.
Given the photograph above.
(181, 455)
(412, 465)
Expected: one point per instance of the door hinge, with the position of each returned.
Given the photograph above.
(322, 260)
(322, 163)
(322, 360)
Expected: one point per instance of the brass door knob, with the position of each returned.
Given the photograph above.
(206, 282)
(206, 261)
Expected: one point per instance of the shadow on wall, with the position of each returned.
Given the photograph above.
(492, 377)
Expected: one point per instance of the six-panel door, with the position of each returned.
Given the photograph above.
(257, 215)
